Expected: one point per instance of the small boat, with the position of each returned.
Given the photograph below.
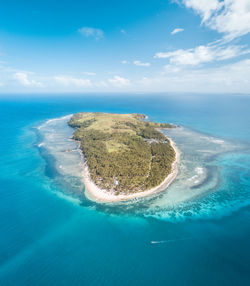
(159, 241)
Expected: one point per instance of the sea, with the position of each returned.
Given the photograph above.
(196, 232)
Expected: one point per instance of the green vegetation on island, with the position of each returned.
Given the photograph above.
(124, 153)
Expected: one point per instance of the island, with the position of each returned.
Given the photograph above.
(125, 156)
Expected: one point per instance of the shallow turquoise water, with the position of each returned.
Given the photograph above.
(49, 238)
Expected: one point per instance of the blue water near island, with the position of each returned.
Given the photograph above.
(51, 234)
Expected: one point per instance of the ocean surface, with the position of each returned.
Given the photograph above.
(197, 232)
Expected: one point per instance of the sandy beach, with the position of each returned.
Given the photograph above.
(93, 192)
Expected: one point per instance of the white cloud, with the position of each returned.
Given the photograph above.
(230, 17)
(72, 81)
(227, 78)
(23, 79)
(91, 32)
(102, 84)
(176, 31)
(124, 62)
(119, 81)
(205, 8)
(139, 63)
(202, 54)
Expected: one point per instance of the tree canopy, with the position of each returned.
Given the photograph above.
(124, 153)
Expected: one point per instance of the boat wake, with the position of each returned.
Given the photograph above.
(170, 240)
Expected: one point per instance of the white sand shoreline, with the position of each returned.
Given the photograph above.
(93, 192)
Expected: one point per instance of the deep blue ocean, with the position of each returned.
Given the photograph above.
(49, 239)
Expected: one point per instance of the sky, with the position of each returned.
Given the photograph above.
(125, 46)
